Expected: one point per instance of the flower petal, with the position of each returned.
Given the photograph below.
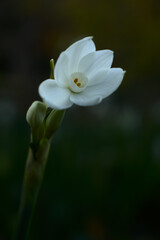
(98, 77)
(85, 99)
(105, 83)
(77, 51)
(95, 61)
(61, 70)
(54, 96)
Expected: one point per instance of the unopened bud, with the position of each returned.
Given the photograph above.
(35, 117)
(53, 122)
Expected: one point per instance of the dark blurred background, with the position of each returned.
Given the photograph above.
(102, 180)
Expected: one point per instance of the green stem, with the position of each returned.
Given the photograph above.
(52, 69)
(33, 177)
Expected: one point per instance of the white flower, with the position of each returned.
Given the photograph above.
(83, 76)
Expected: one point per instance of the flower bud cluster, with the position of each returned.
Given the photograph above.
(43, 121)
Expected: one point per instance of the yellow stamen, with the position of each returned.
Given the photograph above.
(76, 80)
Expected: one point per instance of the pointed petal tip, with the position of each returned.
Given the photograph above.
(123, 72)
(88, 38)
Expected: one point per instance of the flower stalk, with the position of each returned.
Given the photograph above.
(44, 122)
(33, 176)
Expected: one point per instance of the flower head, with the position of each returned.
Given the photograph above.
(83, 76)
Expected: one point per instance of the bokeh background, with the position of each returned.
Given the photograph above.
(102, 180)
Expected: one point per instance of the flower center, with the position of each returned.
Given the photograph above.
(77, 82)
